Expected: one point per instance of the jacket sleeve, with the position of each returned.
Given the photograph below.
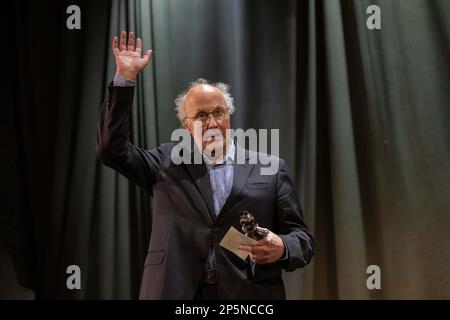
(298, 240)
(113, 147)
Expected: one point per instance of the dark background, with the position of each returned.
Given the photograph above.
(363, 118)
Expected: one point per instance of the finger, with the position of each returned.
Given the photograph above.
(260, 251)
(130, 41)
(148, 54)
(246, 248)
(123, 41)
(138, 46)
(115, 44)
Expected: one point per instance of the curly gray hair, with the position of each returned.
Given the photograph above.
(181, 98)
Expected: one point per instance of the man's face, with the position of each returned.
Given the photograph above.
(209, 130)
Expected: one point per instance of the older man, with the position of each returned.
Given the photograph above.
(197, 203)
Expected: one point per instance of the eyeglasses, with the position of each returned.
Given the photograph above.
(203, 116)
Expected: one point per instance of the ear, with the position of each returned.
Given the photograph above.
(185, 126)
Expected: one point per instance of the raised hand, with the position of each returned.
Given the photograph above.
(129, 60)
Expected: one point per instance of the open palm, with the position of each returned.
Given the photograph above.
(129, 60)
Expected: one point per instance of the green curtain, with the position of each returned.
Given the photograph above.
(377, 148)
(104, 220)
(364, 127)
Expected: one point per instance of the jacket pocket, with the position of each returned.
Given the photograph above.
(154, 258)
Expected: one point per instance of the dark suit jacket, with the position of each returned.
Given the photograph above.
(183, 228)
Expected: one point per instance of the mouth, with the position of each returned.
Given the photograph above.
(212, 135)
(213, 144)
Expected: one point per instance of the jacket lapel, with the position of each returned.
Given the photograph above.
(241, 172)
(199, 175)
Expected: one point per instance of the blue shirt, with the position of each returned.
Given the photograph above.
(221, 178)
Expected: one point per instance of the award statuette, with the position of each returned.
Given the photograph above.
(250, 227)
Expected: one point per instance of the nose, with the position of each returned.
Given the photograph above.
(211, 121)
